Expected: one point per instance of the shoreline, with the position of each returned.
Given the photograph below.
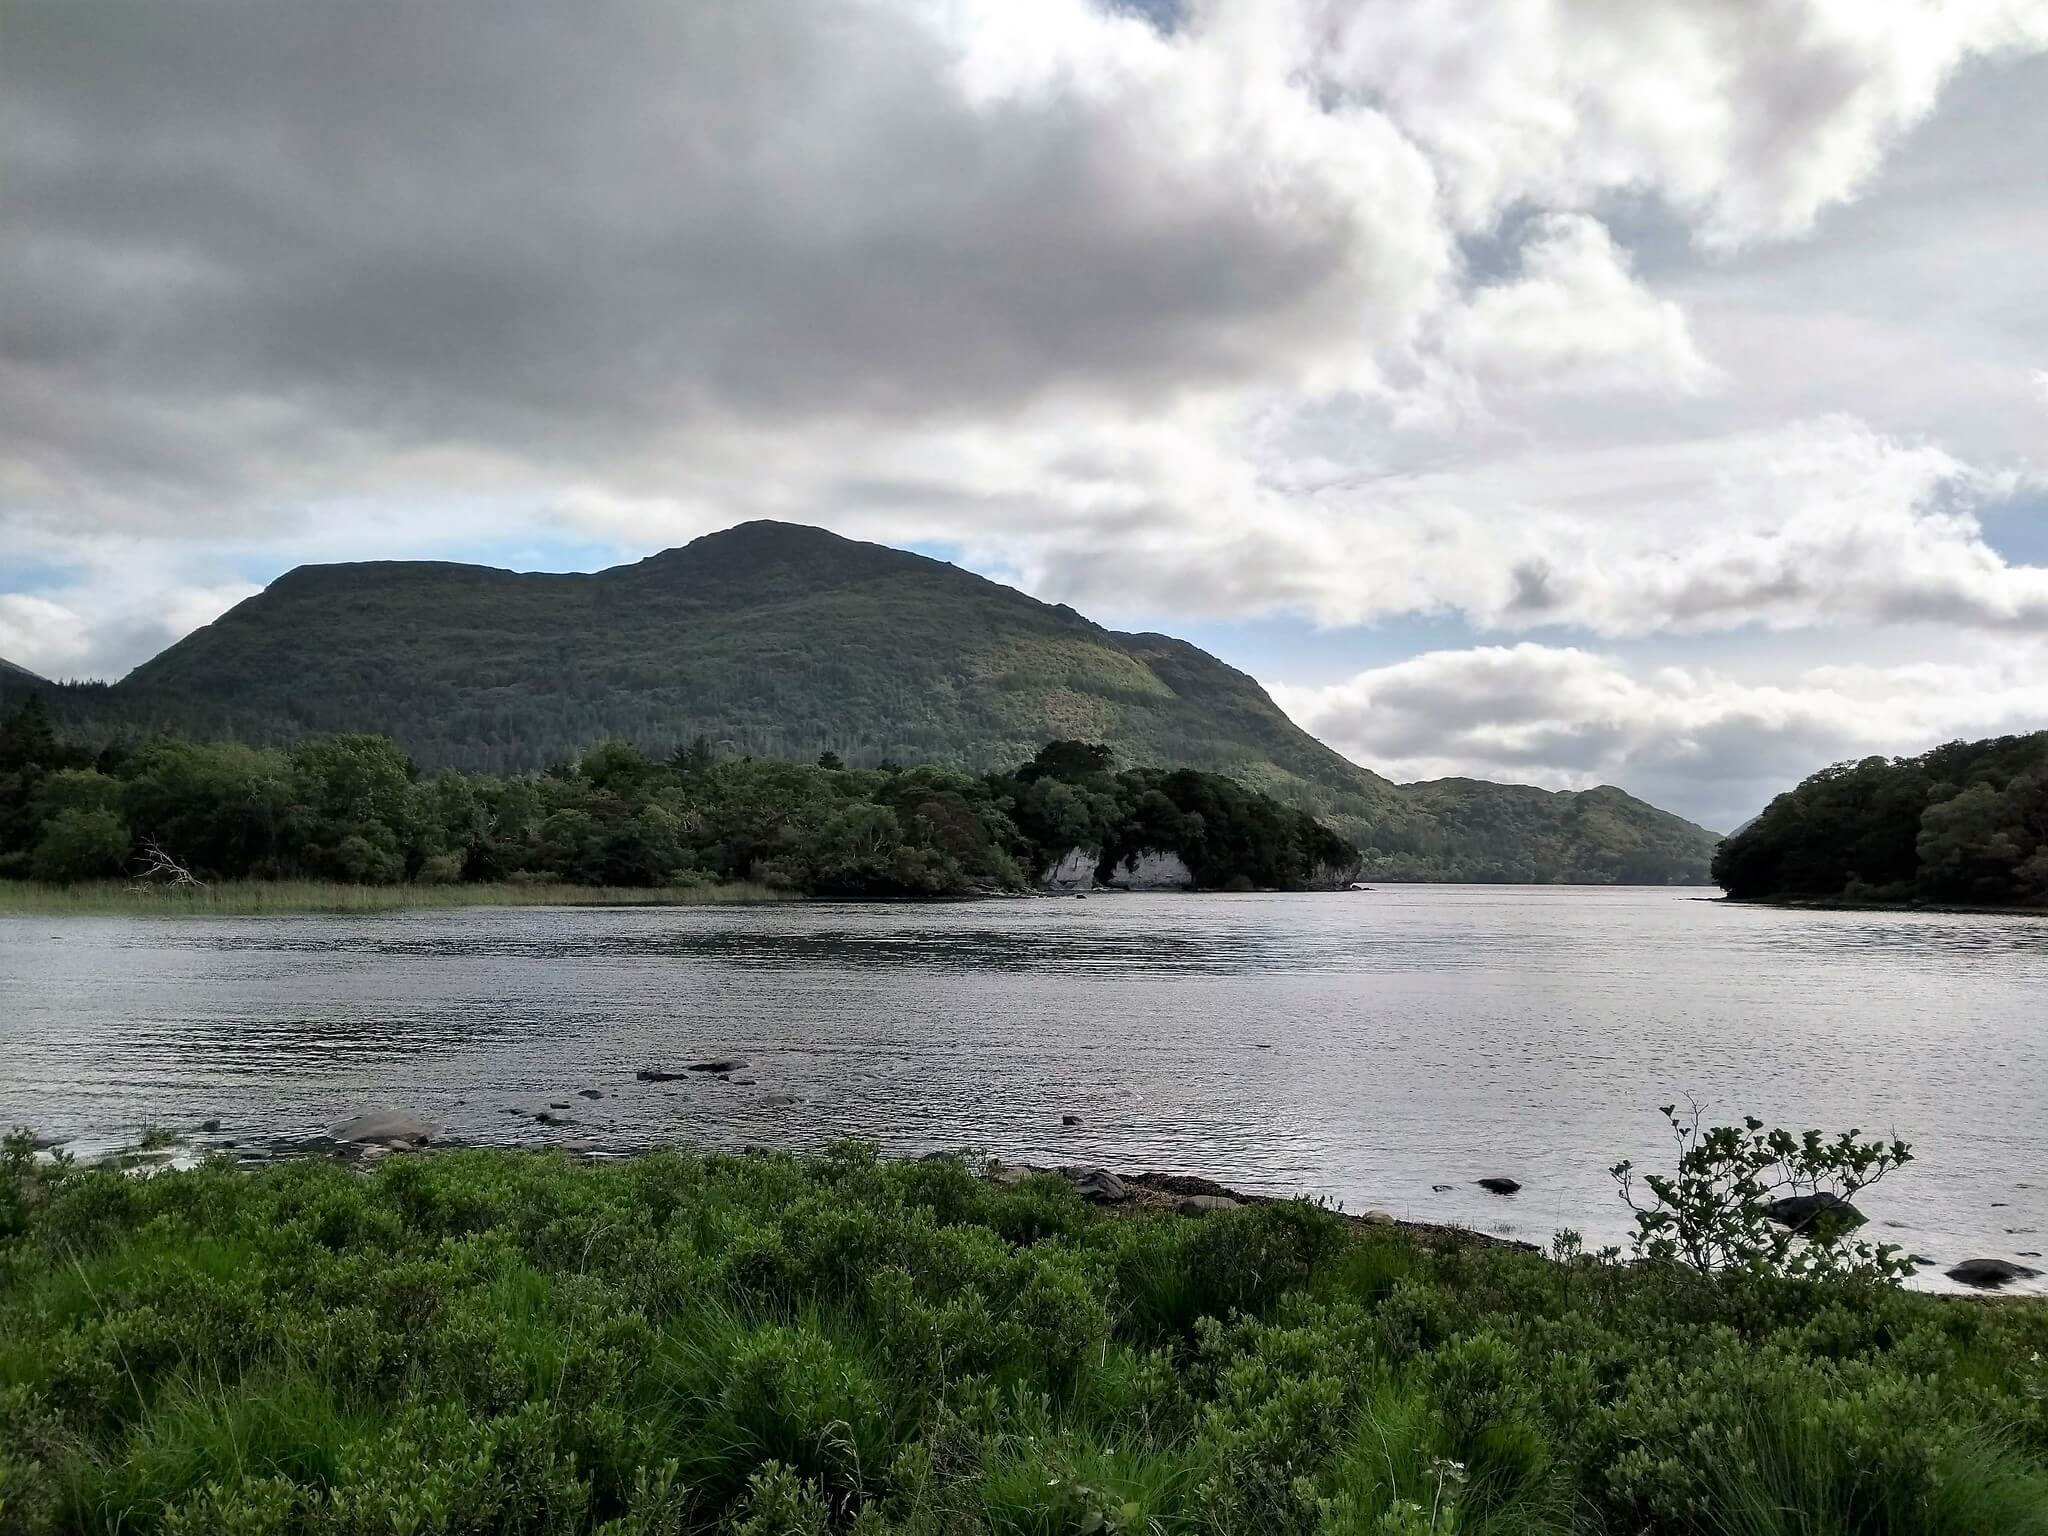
(1848, 904)
(284, 898)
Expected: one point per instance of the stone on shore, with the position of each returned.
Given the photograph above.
(384, 1125)
(1097, 1184)
(1183, 1184)
(1989, 1274)
(1802, 1211)
(1201, 1205)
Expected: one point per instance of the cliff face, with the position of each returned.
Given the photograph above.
(1153, 869)
(1074, 872)
(1159, 869)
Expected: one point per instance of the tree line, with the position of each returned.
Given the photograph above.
(354, 808)
(1966, 823)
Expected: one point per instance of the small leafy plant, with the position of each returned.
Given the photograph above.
(1714, 1215)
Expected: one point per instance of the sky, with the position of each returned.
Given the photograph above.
(1558, 391)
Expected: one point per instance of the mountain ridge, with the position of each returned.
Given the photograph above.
(780, 640)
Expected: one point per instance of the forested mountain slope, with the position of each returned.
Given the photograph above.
(774, 640)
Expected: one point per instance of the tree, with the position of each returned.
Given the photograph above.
(81, 845)
(1067, 760)
(695, 757)
(831, 761)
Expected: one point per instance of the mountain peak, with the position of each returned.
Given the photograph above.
(12, 672)
(767, 554)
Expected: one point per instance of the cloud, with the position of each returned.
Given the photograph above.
(1546, 315)
(1574, 319)
(1813, 522)
(1748, 120)
(1712, 745)
(263, 254)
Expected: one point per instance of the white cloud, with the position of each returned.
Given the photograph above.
(1749, 119)
(1574, 319)
(43, 635)
(1712, 745)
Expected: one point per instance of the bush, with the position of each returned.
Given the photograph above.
(483, 1341)
(81, 845)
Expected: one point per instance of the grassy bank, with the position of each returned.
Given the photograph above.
(257, 898)
(495, 1341)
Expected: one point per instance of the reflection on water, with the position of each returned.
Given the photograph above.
(1362, 1046)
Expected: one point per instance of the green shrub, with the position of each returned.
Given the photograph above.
(497, 1341)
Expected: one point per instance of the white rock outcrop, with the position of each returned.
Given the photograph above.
(1074, 872)
(1152, 869)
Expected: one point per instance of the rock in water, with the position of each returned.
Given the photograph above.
(1989, 1274)
(1070, 1119)
(588, 1093)
(656, 1075)
(723, 1064)
(1097, 1184)
(385, 1125)
(1498, 1186)
(1802, 1211)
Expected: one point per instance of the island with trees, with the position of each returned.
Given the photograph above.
(1965, 824)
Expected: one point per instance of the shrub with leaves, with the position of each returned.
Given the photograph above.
(1714, 1214)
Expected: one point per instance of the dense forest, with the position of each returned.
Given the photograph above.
(354, 809)
(773, 641)
(1965, 823)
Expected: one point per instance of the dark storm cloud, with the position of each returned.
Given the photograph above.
(562, 229)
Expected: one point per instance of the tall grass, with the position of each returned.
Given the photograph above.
(263, 898)
(760, 1345)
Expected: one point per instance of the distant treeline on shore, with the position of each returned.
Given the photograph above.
(353, 809)
(1965, 824)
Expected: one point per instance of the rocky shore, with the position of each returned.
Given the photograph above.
(364, 1140)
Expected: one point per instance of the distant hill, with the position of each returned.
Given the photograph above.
(1965, 823)
(17, 674)
(776, 640)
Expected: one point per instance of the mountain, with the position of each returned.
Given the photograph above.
(16, 674)
(783, 641)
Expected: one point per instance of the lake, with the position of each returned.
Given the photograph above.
(1366, 1047)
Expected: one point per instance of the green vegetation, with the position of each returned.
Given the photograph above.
(1966, 823)
(353, 812)
(779, 642)
(487, 1341)
(265, 898)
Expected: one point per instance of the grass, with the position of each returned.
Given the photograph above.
(264, 898)
(762, 1345)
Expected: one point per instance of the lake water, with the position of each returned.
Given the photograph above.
(1365, 1047)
